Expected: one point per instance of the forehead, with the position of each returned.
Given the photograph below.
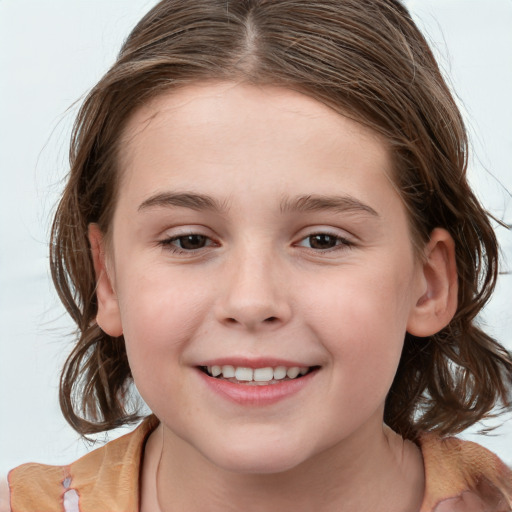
(232, 139)
(230, 115)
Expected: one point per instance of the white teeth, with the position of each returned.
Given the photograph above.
(280, 372)
(292, 372)
(215, 370)
(263, 374)
(228, 371)
(267, 374)
(244, 374)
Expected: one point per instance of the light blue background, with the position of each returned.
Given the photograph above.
(51, 53)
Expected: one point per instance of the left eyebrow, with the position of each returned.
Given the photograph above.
(190, 200)
(338, 204)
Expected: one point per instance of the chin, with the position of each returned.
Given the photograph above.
(258, 459)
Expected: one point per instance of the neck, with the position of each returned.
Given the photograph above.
(377, 472)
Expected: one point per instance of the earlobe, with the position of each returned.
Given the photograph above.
(108, 316)
(437, 304)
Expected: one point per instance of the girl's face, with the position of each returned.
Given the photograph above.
(258, 232)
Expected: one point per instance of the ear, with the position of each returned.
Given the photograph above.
(108, 316)
(437, 302)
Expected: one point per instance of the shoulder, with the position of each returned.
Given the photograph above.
(106, 478)
(4, 494)
(463, 476)
(37, 487)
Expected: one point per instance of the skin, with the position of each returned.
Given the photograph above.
(261, 286)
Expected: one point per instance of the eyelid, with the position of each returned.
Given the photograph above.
(344, 240)
(174, 234)
(186, 230)
(347, 240)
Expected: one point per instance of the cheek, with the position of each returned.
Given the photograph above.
(160, 306)
(160, 314)
(367, 304)
(362, 321)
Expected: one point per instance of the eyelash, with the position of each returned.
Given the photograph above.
(341, 243)
(168, 243)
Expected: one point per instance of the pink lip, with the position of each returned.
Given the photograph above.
(244, 394)
(260, 362)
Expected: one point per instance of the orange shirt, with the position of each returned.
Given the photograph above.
(461, 476)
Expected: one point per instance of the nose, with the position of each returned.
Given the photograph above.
(254, 293)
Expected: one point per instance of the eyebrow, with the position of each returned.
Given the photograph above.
(338, 204)
(301, 204)
(199, 202)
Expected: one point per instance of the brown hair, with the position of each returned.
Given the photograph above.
(367, 60)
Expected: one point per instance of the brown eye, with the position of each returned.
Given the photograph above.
(186, 243)
(323, 241)
(191, 242)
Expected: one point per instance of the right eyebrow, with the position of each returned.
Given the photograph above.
(199, 202)
(311, 203)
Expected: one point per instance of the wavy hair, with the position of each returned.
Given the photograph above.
(367, 60)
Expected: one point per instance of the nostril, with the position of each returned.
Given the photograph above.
(251, 322)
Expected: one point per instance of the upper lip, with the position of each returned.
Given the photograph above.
(260, 362)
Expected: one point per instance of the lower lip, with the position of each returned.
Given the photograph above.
(245, 394)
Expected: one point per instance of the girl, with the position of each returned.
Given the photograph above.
(267, 229)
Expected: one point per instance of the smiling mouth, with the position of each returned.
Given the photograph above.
(257, 376)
